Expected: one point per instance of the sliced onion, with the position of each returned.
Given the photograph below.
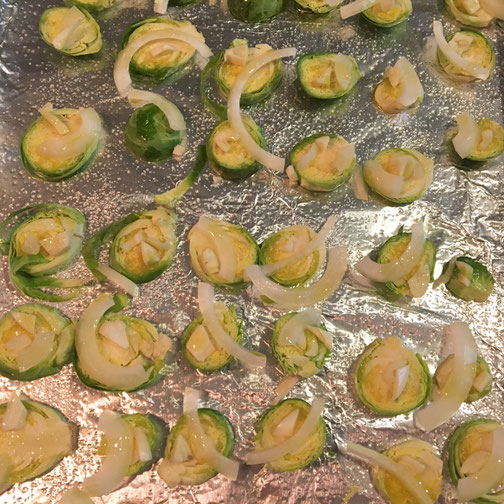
(445, 277)
(284, 387)
(204, 445)
(75, 496)
(494, 8)
(39, 349)
(120, 280)
(122, 77)
(15, 414)
(53, 119)
(292, 444)
(115, 330)
(86, 344)
(460, 342)
(468, 135)
(356, 7)
(293, 331)
(305, 161)
(142, 445)
(292, 176)
(475, 70)
(402, 266)
(489, 476)
(160, 6)
(387, 183)
(234, 115)
(65, 39)
(359, 187)
(419, 282)
(411, 87)
(206, 302)
(401, 379)
(377, 459)
(119, 454)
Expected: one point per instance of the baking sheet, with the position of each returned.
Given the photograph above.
(463, 213)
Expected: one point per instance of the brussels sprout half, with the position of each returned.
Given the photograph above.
(379, 383)
(418, 458)
(46, 432)
(311, 448)
(468, 439)
(226, 155)
(470, 283)
(96, 5)
(181, 465)
(35, 341)
(83, 38)
(153, 64)
(399, 12)
(394, 248)
(477, 18)
(41, 240)
(198, 346)
(316, 6)
(491, 144)
(253, 11)
(328, 169)
(327, 76)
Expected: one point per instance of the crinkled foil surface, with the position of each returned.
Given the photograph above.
(463, 212)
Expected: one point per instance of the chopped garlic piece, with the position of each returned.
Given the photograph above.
(210, 261)
(394, 75)
(237, 55)
(471, 6)
(486, 138)
(285, 428)
(461, 42)
(199, 344)
(31, 245)
(56, 244)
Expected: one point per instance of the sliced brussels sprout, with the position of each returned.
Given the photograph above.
(420, 460)
(39, 439)
(61, 143)
(220, 251)
(159, 60)
(281, 422)
(474, 47)
(35, 341)
(468, 12)
(327, 75)
(227, 156)
(390, 379)
(96, 5)
(181, 465)
(318, 6)
(323, 162)
(482, 384)
(399, 175)
(388, 13)
(304, 356)
(417, 281)
(254, 11)
(41, 240)
(198, 346)
(71, 31)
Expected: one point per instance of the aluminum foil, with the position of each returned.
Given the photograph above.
(463, 212)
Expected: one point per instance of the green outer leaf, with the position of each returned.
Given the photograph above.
(464, 18)
(96, 7)
(183, 3)
(369, 16)
(253, 11)
(219, 111)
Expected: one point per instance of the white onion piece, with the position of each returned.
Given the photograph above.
(115, 330)
(460, 342)
(98, 367)
(284, 387)
(474, 463)
(356, 7)
(71, 21)
(53, 119)
(489, 476)
(119, 454)
(206, 302)
(378, 459)
(292, 444)
(468, 135)
(15, 414)
(142, 445)
(305, 161)
(119, 279)
(234, 115)
(493, 7)
(401, 379)
(387, 183)
(26, 320)
(160, 6)
(359, 187)
(419, 282)
(204, 445)
(285, 428)
(122, 77)
(411, 87)
(444, 277)
(40, 349)
(293, 331)
(75, 496)
(475, 70)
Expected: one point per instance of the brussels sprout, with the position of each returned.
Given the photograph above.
(390, 379)
(226, 155)
(468, 13)
(394, 248)
(35, 341)
(317, 6)
(96, 5)
(388, 17)
(71, 31)
(253, 11)
(153, 62)
(306, 358)
(198, 346)
(470, 280)
(143, 245)
(491, 144)
(399, 175)
(45, 432)
(43, 148)
(323, 162)
(41, 240)
(220, 251)
(327, 75)
(311, 448)
(181, 465)
(482, 384)
(470, 439)
(421, 461)
(478, 51)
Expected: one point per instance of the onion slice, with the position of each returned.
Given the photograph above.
(234, 115)
(284, 387)
(292, 444)
(394, 271)
(251, 360)
(15, 414)
(119, 279)
(389, 184)
(494, 8)
(468, 136)
(160, 6)
(377, 459)
(444, 277)
(475, 70)
(411, 87)
(356, 7)
(53, 119)
(359, 187)
(460, 342)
